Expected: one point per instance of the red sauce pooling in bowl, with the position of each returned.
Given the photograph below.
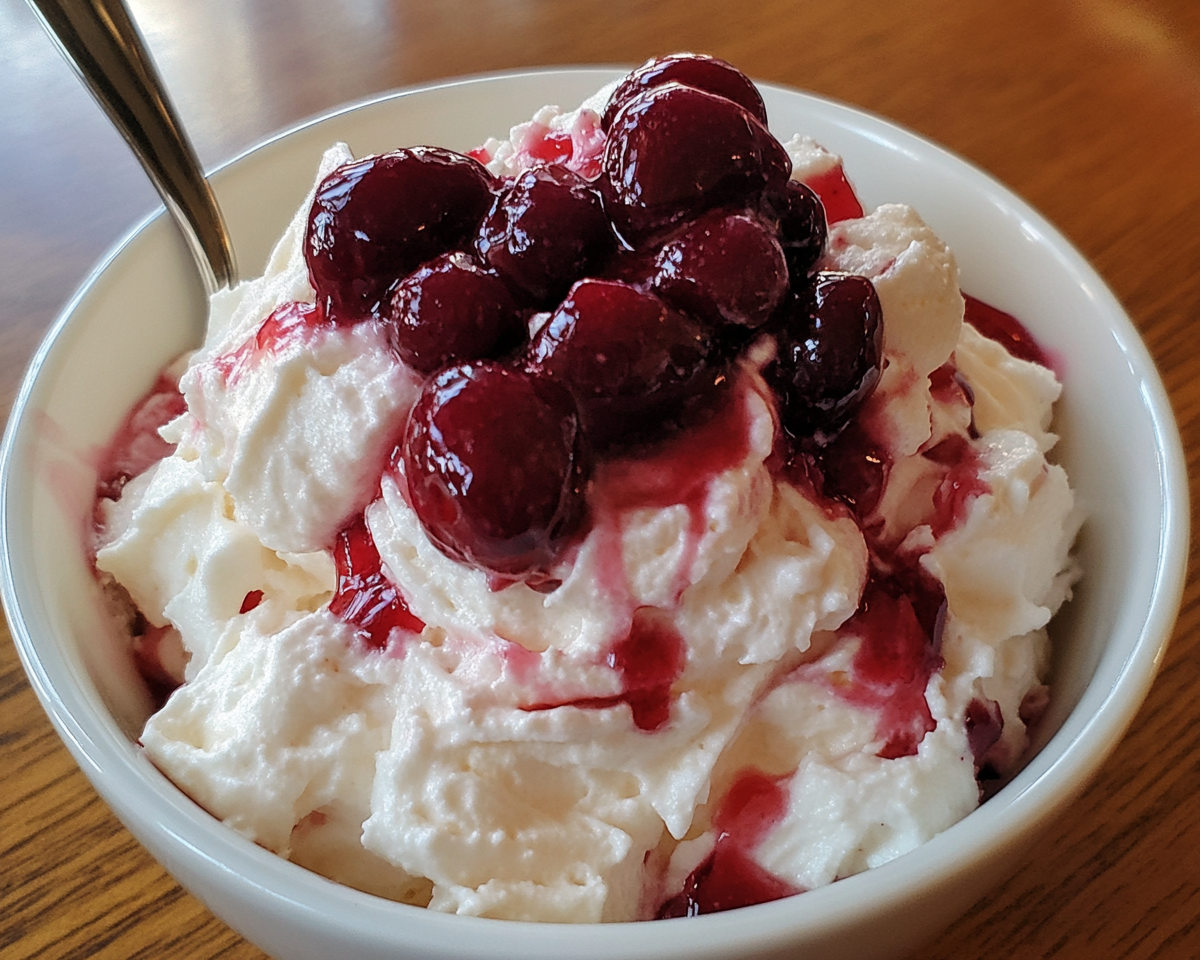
(730, 877)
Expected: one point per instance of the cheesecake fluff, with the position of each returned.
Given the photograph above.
(492, 761)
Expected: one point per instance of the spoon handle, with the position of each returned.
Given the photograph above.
(101, 42)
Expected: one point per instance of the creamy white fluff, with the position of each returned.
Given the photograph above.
(435, 772)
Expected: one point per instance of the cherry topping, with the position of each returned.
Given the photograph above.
(546, 230)
(377, 219)
(451, 309)
(630, 360)
(496, 467)
(802, 228)
(365, 597)
(692, 70)
(674, 152)
(830, 354)
(725, 268)
(854, 470)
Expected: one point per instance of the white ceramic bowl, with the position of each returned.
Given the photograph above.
(143, 305)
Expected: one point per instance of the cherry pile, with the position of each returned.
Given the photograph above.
(561, 320)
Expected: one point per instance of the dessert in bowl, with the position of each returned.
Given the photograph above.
(1007, 255)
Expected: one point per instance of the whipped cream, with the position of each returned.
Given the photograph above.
(495, 764)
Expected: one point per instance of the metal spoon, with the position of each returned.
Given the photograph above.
(100, 40)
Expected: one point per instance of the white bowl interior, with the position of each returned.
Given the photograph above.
(143, 306)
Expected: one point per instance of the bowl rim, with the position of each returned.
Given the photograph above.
(1030, 806)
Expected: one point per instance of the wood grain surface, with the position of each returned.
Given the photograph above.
(1089, 109)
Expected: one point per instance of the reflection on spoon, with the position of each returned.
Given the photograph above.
(101, 42)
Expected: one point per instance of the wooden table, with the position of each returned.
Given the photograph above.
(1090, 109)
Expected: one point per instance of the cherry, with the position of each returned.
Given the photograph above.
(802, 227)
(451, 309)
(631, 360)
(692, 70)
(674, 152)
(496, 467)
(830, 354)
(546, 230)
(724, 268)
(377, 219)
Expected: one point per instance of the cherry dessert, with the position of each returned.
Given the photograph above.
(690, 241)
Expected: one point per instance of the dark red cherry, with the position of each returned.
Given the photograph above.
(692, 70)
(725, 268)
(376, 220)
(802, 228)
(631, 360)
(496, 467)
(546, 229)
(452, 309)
(674, 152)
(830, 354)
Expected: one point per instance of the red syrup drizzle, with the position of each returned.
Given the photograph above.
(837, 196)
(552, 147)
(1006, 330)
(984, 724)
(730, 877)
(947, 386)
(136, 446)
(288, 323)
(649, 660)
(365, 597)
(677, 470)
(899, 629)
(853, 469)
(251, 600)
(961, 485)
(901, 614)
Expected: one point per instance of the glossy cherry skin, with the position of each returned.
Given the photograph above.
(692, 70)
(802, 227)
(630, 360)
(452, 309)
(830, 355)
(674, 152)
(726, 268)
(375, 220)
(544, 231)
(496, 466)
